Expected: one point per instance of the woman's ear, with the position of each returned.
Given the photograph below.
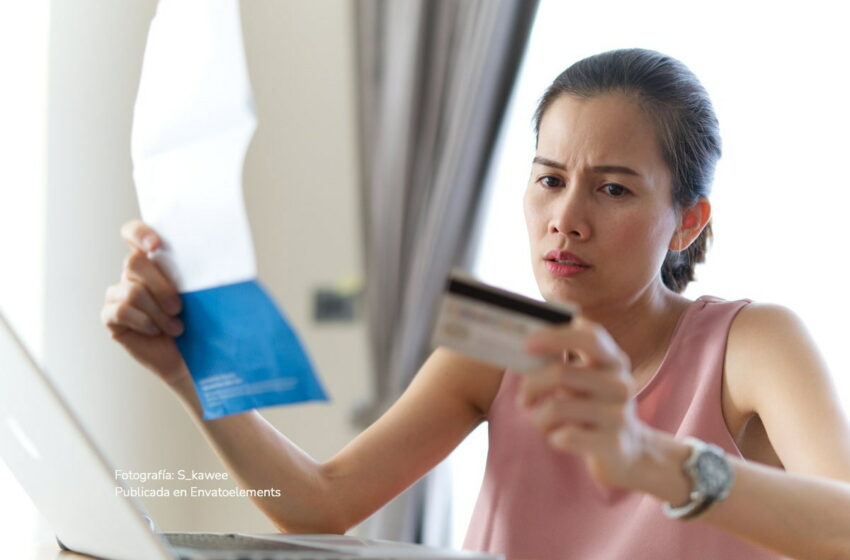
(691, 223)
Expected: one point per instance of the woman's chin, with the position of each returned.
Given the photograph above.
(552, 291)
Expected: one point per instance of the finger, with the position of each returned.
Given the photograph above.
(139, 268)
(601, 382)
(140, 236)
(107, 317)
(607, 385)
(555, 412)
(120, 318)
(575, 438)
(112, 293)
(588, 339)
(542, 382)
(136, 295)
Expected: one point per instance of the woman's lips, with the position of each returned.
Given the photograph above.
(564, 263)
(565, 268)
(565, 256)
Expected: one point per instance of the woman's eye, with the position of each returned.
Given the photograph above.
(615, 190)
(550, 181)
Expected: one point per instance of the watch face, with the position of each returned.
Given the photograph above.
(714, 473)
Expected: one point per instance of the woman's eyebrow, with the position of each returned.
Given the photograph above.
(596, 169)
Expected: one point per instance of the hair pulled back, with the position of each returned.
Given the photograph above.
(688, 131)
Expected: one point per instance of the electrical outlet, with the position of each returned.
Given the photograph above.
(331, 305)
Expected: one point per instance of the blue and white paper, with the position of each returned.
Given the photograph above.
(193, 121)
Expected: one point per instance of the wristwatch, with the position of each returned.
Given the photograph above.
(711, 479)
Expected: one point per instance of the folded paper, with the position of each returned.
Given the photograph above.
(193, 120)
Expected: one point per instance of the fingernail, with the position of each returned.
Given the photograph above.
(175, 327)
(148, 241)
(172, 305)
(532, 347)
(153, 330)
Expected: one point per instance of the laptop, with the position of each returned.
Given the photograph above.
(72, 484)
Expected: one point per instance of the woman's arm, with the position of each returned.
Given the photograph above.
(443, 404)
(796, 515)
(439, 408)
(804, 513)
(776, 370)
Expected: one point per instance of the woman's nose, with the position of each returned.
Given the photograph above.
(570, 216)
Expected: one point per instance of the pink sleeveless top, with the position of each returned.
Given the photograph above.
(541, 504)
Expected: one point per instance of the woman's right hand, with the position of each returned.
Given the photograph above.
(141, 310)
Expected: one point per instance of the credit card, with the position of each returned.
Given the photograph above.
(491, 324)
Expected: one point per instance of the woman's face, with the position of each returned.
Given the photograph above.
(600, 191)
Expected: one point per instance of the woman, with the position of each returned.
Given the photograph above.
(585, 451)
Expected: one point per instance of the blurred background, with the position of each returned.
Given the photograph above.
(394, 141)
(71, 75)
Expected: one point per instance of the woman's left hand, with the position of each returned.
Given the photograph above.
(582, 401)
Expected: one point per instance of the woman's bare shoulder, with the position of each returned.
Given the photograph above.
(776, 370)
(761, 331)
(758, 332)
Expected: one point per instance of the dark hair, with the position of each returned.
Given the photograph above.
(688, 131)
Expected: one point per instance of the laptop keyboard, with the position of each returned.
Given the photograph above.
(252, 547)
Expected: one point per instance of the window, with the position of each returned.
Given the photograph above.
(775, 74)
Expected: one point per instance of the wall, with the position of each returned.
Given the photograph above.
(301, 194)
(23, 145)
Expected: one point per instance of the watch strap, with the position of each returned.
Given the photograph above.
(700, 501)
